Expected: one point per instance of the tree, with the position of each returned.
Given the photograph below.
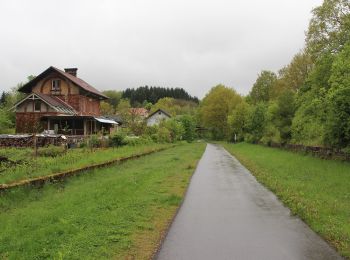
(5, 122)
(175, 128)
(256, 123)
(175, 106)
(123, 109)
(238, 121)
(309, 120)
(189, 127)
(293, 76)
(114, 97)
(215, 108)
(262, 87)
(329, 28)
(284, 115)
(106, 108)
(338, 101)
(3, 99)
(153, 94)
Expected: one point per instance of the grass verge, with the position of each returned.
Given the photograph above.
(316, 190)
(29, 167)
(116, 212)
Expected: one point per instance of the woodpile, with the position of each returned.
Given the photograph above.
(28, 140)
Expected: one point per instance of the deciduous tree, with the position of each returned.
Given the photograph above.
(215, 108)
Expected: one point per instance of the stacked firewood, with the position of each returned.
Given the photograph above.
(30, 140)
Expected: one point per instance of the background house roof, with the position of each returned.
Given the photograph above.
(77, 81)
(160, 110)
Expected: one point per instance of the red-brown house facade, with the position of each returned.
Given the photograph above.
(61, 102)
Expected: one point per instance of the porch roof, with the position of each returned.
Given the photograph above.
(70, 117)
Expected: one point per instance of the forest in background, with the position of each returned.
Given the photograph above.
(306, 102)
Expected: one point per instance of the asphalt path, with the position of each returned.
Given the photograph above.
(227, 214)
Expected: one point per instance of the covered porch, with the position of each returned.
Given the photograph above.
(78, 125)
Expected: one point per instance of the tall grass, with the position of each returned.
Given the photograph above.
(116, 212)
(28, 166)
(316, 190)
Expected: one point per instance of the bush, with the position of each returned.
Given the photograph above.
(189, 128)
(118, 139)
(94, 141)
(51, 151)
(163, 135)
(136, 140)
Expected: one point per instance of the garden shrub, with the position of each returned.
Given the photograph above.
(51, 151)
(118, 139)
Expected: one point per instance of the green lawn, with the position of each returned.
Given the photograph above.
(29, 167)
(316, 190)
(116, 212)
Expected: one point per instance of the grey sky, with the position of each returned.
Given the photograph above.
(173, 43)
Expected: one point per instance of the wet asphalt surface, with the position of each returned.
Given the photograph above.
(227, 214)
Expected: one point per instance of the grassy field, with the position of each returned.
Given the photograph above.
(316, 190)
(117, 212)
(29, 167)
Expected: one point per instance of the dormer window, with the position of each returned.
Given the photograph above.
(56, 86)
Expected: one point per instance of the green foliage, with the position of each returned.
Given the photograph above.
(137, 140)
(94, 141)
(175, 106)
(113, 100)
(238, 121)
(6, 124)
(262, 88)
(175, 128)
(329, 28)
(51, 151)
(189, 127)
(256, 123)
(338, 101)
(308, 102)
(284, 114)
(293, 76)
(118, 139)
(215, 108)
(106, 108)
(163, 135)
(153, 94)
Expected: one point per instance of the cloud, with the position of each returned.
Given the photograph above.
(119, 44)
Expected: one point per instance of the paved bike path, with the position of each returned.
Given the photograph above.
(227, 214)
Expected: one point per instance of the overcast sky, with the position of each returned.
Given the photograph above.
(115, 44)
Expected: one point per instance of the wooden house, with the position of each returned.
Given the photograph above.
(62, 103)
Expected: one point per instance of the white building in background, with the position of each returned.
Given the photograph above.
(157, 116)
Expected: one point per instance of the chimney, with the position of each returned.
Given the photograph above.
(72, 71)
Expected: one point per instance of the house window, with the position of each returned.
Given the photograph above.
(55, 85)
(37, 106)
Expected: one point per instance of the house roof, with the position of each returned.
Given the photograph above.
(53, 102)
(140, 111)
(116, 118)
(159, 110)
(77, 81)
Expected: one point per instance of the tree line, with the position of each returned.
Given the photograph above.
(306, 102)
(144, 94)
